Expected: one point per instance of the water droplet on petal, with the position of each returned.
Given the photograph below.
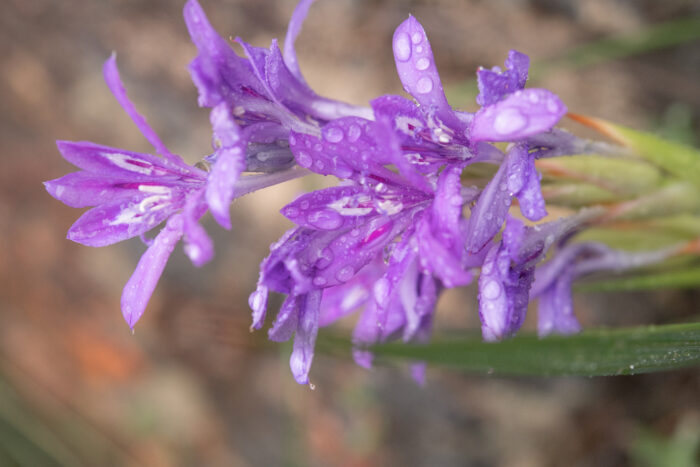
(419, 49)
(422, 64)
(334, 135)
(304, 159)
(325, 220)
(534, 97)
(424, 85)
(354, 133)
(319, 281)
(553, 105)
(345, 274)
(381, 291)
(417, 38)
(402, 47)
(291, 212)
(491, 290)
(509, 121)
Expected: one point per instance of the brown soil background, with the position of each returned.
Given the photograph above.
(193, 386)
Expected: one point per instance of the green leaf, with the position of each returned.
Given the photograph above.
(612, 48)
(681, 279)
(592, 353)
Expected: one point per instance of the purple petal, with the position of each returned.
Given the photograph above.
(230, 163)
(305, 337)
(111, 223)
(218, 72)
(416, 68)
(520, 115)
(140, 287)
(524, 182)
(198, 246)
(293, 30)
(555, 312)
(440, 258)
(119, 163)
(489, 213)
(366, 332)
(532, 204)
(343, 299)
(114, 82)
(494, 84)
(258, 303)
(493, 302)
(82, 189)
(286, 321)
(334, 208)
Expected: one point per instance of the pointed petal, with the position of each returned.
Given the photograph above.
(230, 163)
(555, 312)
(489, 213)
(82, 189)
(532, 204)
(493, 84)
(217, 71)
(493, 302)
(119, 163)
(518, 116)
(416, 68)
(111, 223)
(438, 257)
(114, 82)
(140, 287)
(305, 337)
(287, 319)
(258, 303)
(198, 246)
(293, 30)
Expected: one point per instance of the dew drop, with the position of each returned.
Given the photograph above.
(491, 290)
(354, 133)
(424, 85)
(291, 212)
(325, 220)
(552, 105)
(417, 38)
(509, 121)
(345, 274)
(419, 49)
(304, 159)
(319, 164)
(402, 47)
(319, 281)
(534, 97)
(325, 259)
(422, 64)
(334, 135)
(381, 291)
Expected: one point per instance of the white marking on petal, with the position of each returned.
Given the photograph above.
(128, 163)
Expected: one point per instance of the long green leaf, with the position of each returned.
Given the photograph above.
(592, 353)
(682, 279)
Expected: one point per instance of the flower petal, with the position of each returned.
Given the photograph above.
(305, 337)
(114, 82)
(286, 321)
(518, 116)
(111, 223)
(138, 290)
(217, 71)
(416, 68)
(82, 189)
(230, 163)
(119, 163)
(293, 30)
(198, 245)
(494, 84)
(490, 212)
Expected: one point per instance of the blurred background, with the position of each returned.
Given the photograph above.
(193, 386)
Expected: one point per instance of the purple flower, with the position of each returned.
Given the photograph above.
(255, 102)
(553, 280)
(132, 193)
(509, 270)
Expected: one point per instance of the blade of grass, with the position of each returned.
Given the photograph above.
(592, 353)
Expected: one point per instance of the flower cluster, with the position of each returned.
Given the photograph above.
(398, 228)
